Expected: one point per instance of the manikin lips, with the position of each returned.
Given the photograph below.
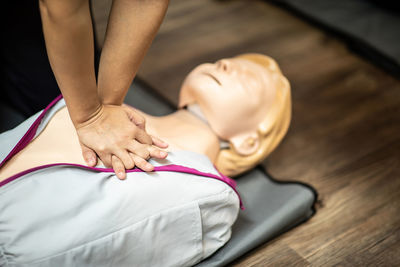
(213, 77)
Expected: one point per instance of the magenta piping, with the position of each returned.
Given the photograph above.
(165, 168)
(30, 134)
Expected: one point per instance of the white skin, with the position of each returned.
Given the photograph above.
(229, 93)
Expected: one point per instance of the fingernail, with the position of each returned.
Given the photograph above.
(121, 175)
(163, 154)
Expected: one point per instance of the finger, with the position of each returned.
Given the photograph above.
(124, 157)
(158, 142)
(139, 120)
(106, 159)
(132, 157)
(142, 164)
(157, 153)
(89, 156)
(142, 137)
(139, 149)
(118, 167)
(135, 117)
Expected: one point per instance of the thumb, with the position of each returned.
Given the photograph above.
(135, 116)
(89, 156)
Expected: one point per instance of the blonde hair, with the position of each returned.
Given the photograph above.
(270, 132)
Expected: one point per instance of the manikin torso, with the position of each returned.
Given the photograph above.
(87, 216)
(181, 130)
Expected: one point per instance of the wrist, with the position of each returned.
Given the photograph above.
(115, 101)
(87, 114)
(110, 95)
(112, 103)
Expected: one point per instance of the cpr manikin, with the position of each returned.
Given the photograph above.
(237, 111)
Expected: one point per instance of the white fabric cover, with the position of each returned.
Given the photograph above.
(71, 216)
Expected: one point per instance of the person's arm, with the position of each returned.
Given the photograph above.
(68, 33)
(131, 28)
(107, 130)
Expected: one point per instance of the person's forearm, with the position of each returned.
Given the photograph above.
(68, 33)
(131, 29)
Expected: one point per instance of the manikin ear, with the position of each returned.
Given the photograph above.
(246, 144)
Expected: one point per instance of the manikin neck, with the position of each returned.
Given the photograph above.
(183, 130)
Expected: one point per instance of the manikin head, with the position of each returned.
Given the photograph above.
(246, 101)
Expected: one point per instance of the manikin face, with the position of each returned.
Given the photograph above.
(234, 94)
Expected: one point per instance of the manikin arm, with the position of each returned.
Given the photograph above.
(107, 129)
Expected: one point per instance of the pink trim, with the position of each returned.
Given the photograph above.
(30, 134)
(165, 168)
(220, 174)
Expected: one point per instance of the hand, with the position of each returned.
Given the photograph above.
(117, 135)
(139, 121)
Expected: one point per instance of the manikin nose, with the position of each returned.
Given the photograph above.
(223, 65)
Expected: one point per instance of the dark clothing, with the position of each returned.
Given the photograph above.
(27, 83)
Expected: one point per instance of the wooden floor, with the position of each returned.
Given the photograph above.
(345, 134)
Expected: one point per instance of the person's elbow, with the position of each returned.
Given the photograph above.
(61, 10)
